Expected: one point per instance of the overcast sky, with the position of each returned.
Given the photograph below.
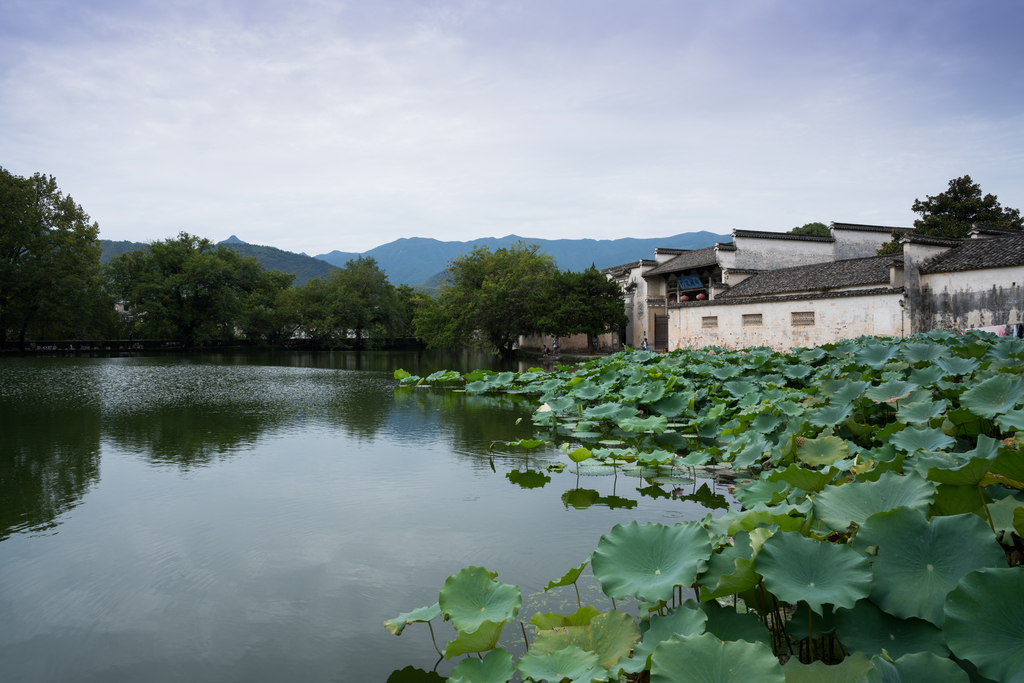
(321, 125)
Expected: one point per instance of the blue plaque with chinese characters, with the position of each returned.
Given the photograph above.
(690, 283)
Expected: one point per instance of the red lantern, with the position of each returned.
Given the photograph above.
(701, 297)
(684, 298)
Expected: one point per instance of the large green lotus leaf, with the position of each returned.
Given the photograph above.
(580, 454)
(632, 393)
(609, 411)
(824, 450)
(958, 366)
(673, 405)
(867, 629)
(398, 624)
(760, 515)
(890, 392)
(561, 404)
(850, 670)
(482, 639)
(830, 415)
(725, 372)
(968, 473)
(876, 356)
(610, 635)
(984, 622)
(913, 439)
(472, 596)
(647, 561)
(766, 423)
(915, 353)
(653, 393)
(994, 396)
(1009, 463)
(1011, 420)
(654, 423)
(925, 667)
(797, 371)
(803, 478)
(730, 571)
(811, 355)
(750, 453)
(956, 500)
(570, 663)
(588, 391)
(706, 659)
(760, 491)
(1003, 513)
(920, 413)
(570, 576)
(927, 376)
(549, 620)
(726, 624)
(918, 561)
(848, 393)
(684, 620)
(797, 568)
(495, 667)
(839, 506)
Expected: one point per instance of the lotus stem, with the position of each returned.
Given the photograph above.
(525, 639)
(613, 604)
(579, 603)
(782, 624)
(435, 642)
(810, 633)
(988, 514)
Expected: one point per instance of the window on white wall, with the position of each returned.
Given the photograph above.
(709, 321)
(751, 320)
(802, 318)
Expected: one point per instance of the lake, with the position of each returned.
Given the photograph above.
(258, 516)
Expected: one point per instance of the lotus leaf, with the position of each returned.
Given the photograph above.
(840, 506)
(760, 491)
(996, 395)
(530, 479)
(411, 674)
(761, 515)
(917, 353)
(673, 405)
(398, 624)
(609, 411)
(801, 624)
(868, 629)
(1003, 513)
(983, 622)
(739, 387)
(751, 452)
(797, 568)
(730, 570)
(550, 620)
(610, 635)
(653, 393)
(570, 663)
(957, 500)
(918, 561)
(647, 561)
(914, 439)
(570, 576)
(811, 355)
(482, 639)
(562, 404)
(579, 454)
(655, 423)
(1011, 420)
(726, 372)
(766, 423)
(401, 374)
(876, 356)
(921, 413)
(830, 415)
(850, 670)
(803, 478)
(848, 393)
(706, 659)
(726, 624)
(632, 393)
(685, 620)
(970, 473)
(797, 371)
(495, 667)
(472, 597)
(477, 387)
(927, 376)
(890, 392)
(824, 450)
(925, 667)
(958, 366)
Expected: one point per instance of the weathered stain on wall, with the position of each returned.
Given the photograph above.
(975, 298)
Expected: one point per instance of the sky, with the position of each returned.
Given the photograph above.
(316, 125)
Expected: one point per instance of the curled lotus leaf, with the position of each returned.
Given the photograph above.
(866, 628)
(739, 387)
(647, 561)
(472, 596)
(609, 411)
(1011, 420)
(653, 393)
(725, 372)
(766, 423)
(803, 478)
(921, 413)
(571, 662)
(610, 636)
(632, 393)
(797, 371)
(917, 561)
(913, 439)
(840, 506)
(726, 624)
(830, 415)
(398, 624)
(730, 571)
(495, 667)
(672, 406)
(587, 391)
(685, 620)
(849, 392)
(570, 577)
(706, 659)
(917, 353)
(654, 423)
(561, 404)
(958, 366)
(549, 620)
(927, 376)
(983, 622)
(890, 392)
(824, 450)
(996, 395)
(876, 356)
(484, 638)
(580, 454)
(798, 568)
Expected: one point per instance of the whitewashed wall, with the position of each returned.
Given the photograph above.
(973, 298)
(857, 243)
(771, 254)
(835, 318)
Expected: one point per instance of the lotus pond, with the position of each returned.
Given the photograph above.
(878, 536)
(257, 517)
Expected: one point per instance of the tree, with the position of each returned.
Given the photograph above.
(816, 229)
(581, 303)
(487, 298)
(187, 288)
(49, 260)
(954, 212)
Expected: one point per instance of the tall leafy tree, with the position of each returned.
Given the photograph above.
(49, 260)
(816, 229)
(953, 213)
(186, 288)
(581, 303)
(487, 298)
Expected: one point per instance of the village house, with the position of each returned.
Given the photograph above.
(782, 290)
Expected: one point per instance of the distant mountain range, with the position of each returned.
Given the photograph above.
(421, 260)
(414, 260)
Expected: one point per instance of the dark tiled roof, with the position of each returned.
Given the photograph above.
(698, 258)
(982, 230)
(873, 270)
(867, 228)
(931, 239)
(611, 270)
(765, 235)
(669, 250)
(994, 252)
(726, 246)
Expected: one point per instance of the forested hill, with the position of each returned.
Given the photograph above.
(272, 258)
(412, 261)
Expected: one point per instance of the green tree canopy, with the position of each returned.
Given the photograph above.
(581, 303)
(49, 260)
(816, 229)
(487, 298)
(954, 212)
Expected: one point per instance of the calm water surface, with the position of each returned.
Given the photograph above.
(257, 517)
